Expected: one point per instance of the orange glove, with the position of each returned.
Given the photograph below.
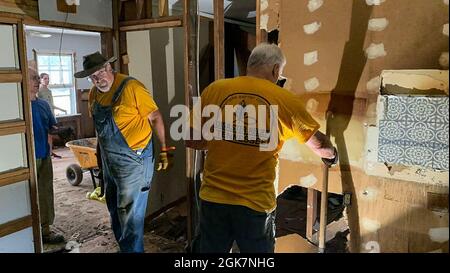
(165, 159)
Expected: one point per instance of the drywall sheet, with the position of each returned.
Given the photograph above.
(157, 61)
(355, 41)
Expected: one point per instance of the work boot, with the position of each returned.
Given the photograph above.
(53, 238)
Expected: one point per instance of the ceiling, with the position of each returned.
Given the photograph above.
(239, 10)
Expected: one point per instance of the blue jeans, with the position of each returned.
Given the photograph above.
(221, 224)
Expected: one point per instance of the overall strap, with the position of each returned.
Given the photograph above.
(120, 89)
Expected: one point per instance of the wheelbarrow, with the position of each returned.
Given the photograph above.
(85, 151)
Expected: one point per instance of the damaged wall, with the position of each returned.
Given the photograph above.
(336, 51)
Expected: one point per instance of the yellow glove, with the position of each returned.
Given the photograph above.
(95, 195)
(165, 159)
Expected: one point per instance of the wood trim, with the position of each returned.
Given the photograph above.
(172, 21)
(15, 176)
(11, 128)
(17, 18)
(116, 36)
(66, 25)
(219, 40)
(10, 76)
(187, 100)
(15, 226)
(9, 18)
(30, 141)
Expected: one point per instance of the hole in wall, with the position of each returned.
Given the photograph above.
(291, 217)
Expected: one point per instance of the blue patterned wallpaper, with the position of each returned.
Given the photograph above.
(414, 131)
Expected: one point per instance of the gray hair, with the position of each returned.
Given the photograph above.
(266, 54)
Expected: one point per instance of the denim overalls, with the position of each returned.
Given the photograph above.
(127, 175)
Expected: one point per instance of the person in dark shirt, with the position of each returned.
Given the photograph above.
(43, 122)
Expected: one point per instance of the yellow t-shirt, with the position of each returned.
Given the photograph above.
(238, 172)
(131, 110)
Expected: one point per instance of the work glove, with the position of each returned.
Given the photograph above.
(165, 159)
(333, 161)
(95, 195)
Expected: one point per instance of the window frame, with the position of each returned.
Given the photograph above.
(73, 86)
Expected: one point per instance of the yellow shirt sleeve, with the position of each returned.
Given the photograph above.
(299, 122)
(144, 101)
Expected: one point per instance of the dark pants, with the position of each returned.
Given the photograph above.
(221, 225)
(44, 172)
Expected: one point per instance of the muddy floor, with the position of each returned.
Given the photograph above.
(85, 223)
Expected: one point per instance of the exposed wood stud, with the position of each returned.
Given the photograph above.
(219, 39)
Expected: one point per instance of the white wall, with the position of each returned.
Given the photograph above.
(156, 59)
(92, 12)
(80, 44)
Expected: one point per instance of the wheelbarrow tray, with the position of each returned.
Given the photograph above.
(84, 151)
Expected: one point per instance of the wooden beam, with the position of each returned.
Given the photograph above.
(6, 18)
(16, 18)
(10, 76)
(117, 5)
(123, 53)
(14, 176)
(107, 44)
(163, 8)
(67, 25)
(145, 24)
(30, 141)
(15, 226)
(11, 128)
(311, 213)
(187, 101)
(219, 39)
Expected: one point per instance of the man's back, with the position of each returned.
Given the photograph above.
(237, 171)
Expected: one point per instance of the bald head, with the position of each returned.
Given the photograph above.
(266, 61)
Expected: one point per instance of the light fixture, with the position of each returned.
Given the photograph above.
(39, 34)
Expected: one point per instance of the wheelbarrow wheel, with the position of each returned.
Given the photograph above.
(74, 174)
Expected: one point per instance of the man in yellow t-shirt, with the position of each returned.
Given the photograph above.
(125, 116)
(237, 191)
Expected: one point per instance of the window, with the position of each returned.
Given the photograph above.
(59, 67)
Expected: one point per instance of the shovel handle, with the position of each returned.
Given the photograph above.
(324, 196)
